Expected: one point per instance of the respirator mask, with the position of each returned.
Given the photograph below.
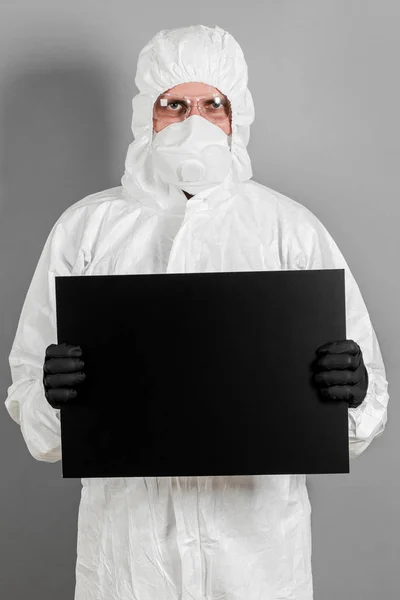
(193, 154)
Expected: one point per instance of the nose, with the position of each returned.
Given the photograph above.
(194, 110)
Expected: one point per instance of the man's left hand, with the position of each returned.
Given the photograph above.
(340, 373)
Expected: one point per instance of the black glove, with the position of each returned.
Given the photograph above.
(62, 371)
(340, 373)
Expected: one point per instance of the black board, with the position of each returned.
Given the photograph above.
(202, 374)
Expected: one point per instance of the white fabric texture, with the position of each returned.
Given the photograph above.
(194, 538)
(193, 154)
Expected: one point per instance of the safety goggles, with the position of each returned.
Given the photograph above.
(171, 108)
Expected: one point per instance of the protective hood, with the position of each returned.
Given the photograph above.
(191, 54)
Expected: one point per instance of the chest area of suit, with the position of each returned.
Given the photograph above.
(200, 241)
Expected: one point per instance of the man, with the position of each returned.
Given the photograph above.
(187, 205)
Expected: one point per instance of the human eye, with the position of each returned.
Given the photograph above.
(174, 105)
(214, 103)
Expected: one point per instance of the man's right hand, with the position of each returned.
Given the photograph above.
(62, 372)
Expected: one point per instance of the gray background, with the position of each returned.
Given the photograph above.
(325, 80)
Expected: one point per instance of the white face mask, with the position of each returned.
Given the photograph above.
(193, 154)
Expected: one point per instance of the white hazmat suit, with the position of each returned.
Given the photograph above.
(186, 538)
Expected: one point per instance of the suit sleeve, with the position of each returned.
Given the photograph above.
(26, 402)
(369, 419)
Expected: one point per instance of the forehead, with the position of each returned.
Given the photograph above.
(193, 89)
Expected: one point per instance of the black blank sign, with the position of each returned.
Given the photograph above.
(202, 374)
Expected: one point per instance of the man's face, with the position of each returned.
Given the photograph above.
(193, 91)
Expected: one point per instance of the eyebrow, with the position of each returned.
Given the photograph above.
(164, 101)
